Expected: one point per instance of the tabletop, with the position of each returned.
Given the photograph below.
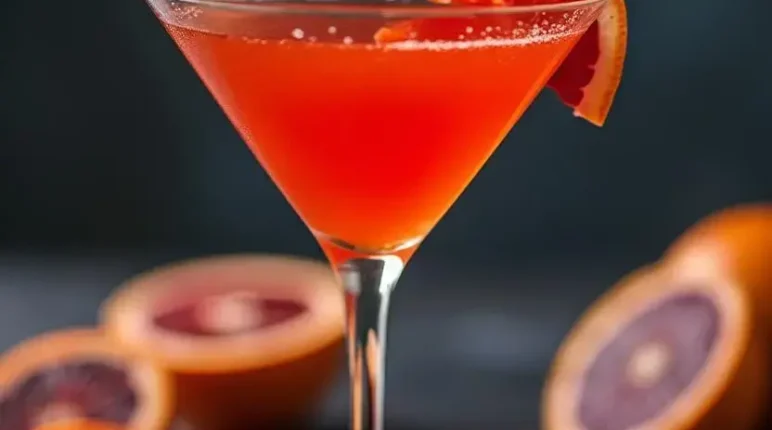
(490, 331)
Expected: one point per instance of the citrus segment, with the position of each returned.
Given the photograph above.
(589, 77)
(662, 350)
(251, 340)
(80, 374)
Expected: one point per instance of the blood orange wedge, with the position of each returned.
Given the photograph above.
(80, 373)
(661, 351)
(735, 242)
(252, 340)
(590, 75)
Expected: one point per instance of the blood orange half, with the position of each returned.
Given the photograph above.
(661, 351)
(80, 374)
(735, 242)
(252, 340)
(589, 77)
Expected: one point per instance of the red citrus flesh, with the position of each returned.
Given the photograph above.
(80, 374)
(251, 340)
(590, 76)
(662, 350)
(734, 242)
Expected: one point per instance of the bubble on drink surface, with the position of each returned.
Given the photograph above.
(488, 42)
(298, 33)
(184, 11)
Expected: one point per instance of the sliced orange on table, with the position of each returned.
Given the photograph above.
(662, 350)
(81, 379)
(252, 341)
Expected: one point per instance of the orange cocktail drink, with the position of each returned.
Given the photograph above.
(373, 142)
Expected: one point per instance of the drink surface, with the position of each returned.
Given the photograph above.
(372, 143)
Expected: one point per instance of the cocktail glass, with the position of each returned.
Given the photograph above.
(372, 117)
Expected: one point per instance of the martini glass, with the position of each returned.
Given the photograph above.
(372, 117)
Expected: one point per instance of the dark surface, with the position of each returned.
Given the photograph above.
(468, 348)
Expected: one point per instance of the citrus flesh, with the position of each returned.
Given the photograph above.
(79, 374)
(227, 314)
(735, 242)
(251, 340)
(661, 350)
(589, 77)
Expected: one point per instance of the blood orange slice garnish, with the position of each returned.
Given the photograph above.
(662, 350)
(251, 340)
(80, 374)
(588, 78)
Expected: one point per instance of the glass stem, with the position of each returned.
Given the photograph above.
(368, 283)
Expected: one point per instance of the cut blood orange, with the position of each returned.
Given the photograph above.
(662, 350)
(81, 374)
(253, 341)
(736, 242)
(589, 77)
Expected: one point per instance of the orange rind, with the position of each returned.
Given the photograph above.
(588, 78)
(250, 340)
(734, 242)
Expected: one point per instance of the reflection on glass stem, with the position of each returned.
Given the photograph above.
(368, 283)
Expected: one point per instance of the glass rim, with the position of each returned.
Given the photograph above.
(383, 8)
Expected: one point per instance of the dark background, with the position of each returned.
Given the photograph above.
(113, 158)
